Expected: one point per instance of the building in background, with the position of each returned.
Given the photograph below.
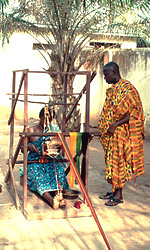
(21, 53)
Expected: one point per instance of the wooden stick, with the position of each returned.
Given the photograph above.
(59, 94)
(63, 128)
(25, 144)
(55, 72)
(37, 161)
(14, 159)
(28, 134)
(21, 70)
(14, 104)
(14, 186)
(12, 122)
(79, 97)
(45, 103)
(82, 187)
(62, 73)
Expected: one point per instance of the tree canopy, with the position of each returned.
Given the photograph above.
(68, 25)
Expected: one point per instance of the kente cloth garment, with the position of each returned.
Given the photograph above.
(124, 149)
(41, 177)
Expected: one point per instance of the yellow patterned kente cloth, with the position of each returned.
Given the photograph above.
(124, 149)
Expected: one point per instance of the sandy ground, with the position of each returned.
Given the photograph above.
(126, 226)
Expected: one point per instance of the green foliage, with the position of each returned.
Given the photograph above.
(142, 43)
(68, 25)
(4, 35)
(4, 2)
(61, 23)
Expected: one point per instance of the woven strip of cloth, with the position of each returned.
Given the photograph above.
(72, 144)
(85, 137)
(78, 146)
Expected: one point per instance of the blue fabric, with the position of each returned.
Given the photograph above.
(41, 177)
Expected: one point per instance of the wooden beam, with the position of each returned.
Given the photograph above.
(45, 103)
(25, 142)
(14, 159)
(65, 104)
(79, 97)
(13, 183)
(59, 94)
(15, 102)
(28, 134)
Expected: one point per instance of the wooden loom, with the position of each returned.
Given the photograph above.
(24, 135)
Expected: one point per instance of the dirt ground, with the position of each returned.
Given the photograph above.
(126, 226)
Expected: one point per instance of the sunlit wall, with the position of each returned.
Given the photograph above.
(134, 66)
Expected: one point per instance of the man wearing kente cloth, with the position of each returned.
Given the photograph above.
(121, 124)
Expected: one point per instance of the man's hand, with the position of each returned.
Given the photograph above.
(113, 126)
(111, 129)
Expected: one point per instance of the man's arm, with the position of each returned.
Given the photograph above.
(113, 126)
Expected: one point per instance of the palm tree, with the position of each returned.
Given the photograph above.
(66, 27)
(3, 5)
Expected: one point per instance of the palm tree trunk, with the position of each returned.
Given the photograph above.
(62, 111)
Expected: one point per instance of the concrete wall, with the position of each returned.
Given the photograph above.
(134, 66)
(17, 55)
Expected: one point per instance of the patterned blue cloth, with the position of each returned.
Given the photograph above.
(42, 177)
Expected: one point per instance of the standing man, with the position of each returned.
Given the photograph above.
(121, 124)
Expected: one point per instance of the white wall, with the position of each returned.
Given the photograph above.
(16, 55)
(19, 55)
